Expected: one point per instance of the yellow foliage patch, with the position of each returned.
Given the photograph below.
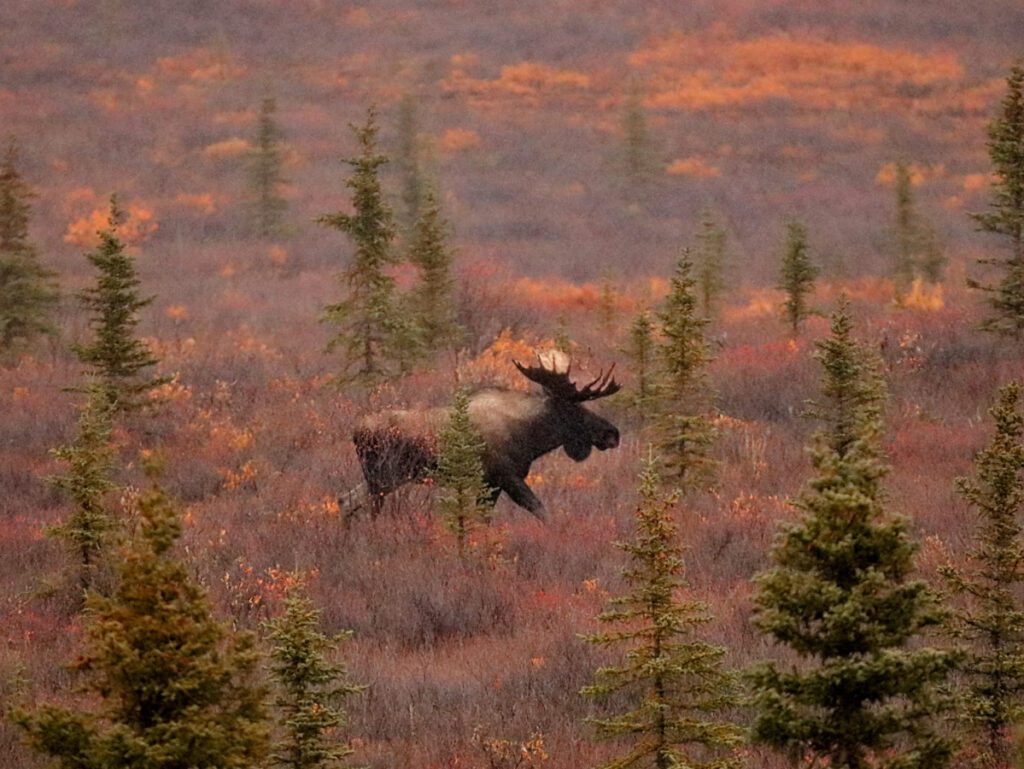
(923, 296)
(718, 69)
(693, 166)
(139, 224)
(228, 148)
(458, 140)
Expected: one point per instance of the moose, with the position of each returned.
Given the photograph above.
(399, 447)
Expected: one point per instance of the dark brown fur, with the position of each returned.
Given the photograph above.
(398, 447)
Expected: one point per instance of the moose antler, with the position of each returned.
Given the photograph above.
(558, 385)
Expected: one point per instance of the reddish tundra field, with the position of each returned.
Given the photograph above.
(758, 112)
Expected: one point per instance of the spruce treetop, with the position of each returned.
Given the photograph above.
(115, 356)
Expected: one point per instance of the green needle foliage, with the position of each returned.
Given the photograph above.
(115, 358)
(682, 428)
(465, 500)
(639, 162)
(28, 293)
(267, 205)
(1006, 214)
(797, 278)
(670, 681)
(407, 161)
(167, 686)
(366, 319)
(841, 598)
(433, 299)
(89, 462)
(643, 355)
(917, 251)
(992, 622)
(310, 687)
(709, 267)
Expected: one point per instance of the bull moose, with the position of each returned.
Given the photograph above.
(399, 447)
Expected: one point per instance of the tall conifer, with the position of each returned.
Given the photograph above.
(87, 482)
(670, 682)
(992, 620)
(797, 276)
(642, 354)
(407, 160)
(28, 292)
(1006, 210)
(682, 426)
(366, 319)
(917, 254)
(709, 264)
(841, 598)
(267, 205)
(433, 298)
(115, 357)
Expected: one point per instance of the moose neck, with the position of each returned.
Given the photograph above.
(556, 424)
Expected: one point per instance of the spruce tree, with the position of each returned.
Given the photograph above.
(407, 161)
(638, 153)
(641, 351)
(1006, 214)
(367, 322)
(310, 688)
(682, 426)
(709, 264)
(465, 498)
(28, 293)
(167, 686)
(115, 358)
(433, 300)
(917, 254)
(840, 597)
(670, 681)
(89, 460)
(267, 206)
(903, 264)
(992, 621)
(607, 307)
(797, 276)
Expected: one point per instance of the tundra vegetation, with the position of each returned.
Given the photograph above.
(479, 661)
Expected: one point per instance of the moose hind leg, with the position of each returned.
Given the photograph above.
(390, 460)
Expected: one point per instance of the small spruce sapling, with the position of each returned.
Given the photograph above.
(670, 682)
(310, 687)
(466, 498)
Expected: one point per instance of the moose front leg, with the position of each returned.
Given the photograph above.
(523, 496)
